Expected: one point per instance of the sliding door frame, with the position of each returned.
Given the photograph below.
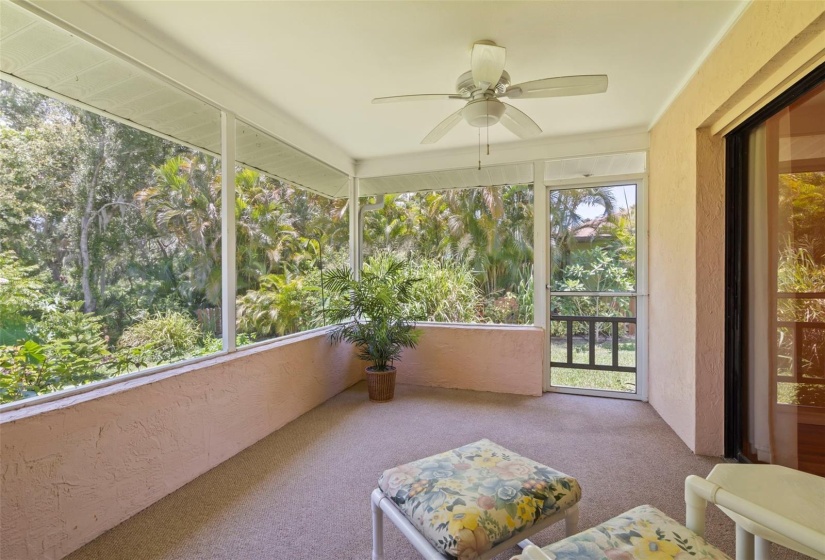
(736, 261)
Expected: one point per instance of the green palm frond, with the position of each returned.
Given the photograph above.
(375, 314)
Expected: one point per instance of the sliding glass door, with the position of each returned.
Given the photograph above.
(779, 387)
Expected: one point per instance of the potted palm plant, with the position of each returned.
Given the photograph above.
(375, 314)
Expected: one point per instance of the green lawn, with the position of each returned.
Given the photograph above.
(591, 379)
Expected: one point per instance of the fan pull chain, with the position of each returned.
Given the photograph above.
(479, 149)
(487, 106)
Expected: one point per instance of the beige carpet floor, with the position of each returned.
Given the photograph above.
(303, 492)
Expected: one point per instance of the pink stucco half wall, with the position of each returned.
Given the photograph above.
(495, 358)
(73, 468)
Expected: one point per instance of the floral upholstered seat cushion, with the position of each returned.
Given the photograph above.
(643, 532)
(467, 500)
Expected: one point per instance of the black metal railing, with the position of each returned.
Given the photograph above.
(593, 342)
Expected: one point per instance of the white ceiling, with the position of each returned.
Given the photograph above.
(49, 59)
(322, 62)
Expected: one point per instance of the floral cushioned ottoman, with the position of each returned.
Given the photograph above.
(467, 500)
(643, 532)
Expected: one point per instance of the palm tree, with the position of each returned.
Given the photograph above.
(489, 226)
(566, 221)
(278, 307)
(265, 234)
(393, 226)
(184, 206)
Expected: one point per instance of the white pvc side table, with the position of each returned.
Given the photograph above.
(786, 502)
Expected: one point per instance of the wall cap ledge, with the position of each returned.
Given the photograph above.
(64, 399)
(59, 400)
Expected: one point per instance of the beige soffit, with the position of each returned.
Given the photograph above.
(492, 176)
(595, 166)
(258, 150)
(51, 60)
(771, 88)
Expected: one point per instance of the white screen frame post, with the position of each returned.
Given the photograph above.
(354, 228)
(540, 246)
(541, 250)
(228, 238)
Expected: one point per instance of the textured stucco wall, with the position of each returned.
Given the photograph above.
(671, 247)
(686, 215)
(476, 357)
(73, 468)
(710, 294)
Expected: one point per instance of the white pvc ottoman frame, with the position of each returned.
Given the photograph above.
(381, 505)
(698, 492)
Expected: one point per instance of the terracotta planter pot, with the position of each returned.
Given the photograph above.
(381, 384)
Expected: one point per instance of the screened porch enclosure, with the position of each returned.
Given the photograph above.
(229, 231)
(180, 181)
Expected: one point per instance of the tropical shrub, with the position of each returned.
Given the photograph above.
(163, 337)
(502, 309)
(595, 270)
(592, 270)
(445, 291)
(511, 307)
(23, 372)
(211, 344)
(279, 307)
(800, 272)
(71, 351)
(524, 295)
(32, 368)
(23, 296)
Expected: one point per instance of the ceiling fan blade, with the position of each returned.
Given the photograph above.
(487, 62)
(443, 128)
(417, 97)
(518, 123)
(558, 87)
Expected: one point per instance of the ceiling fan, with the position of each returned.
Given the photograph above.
(487, 83)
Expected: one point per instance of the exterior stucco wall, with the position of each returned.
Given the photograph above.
(687, 219)
(710, 294)
(73, 468)
(672, 274)
(499, 359)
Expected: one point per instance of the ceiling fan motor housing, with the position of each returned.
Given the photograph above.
(466, 86)
(483, 112)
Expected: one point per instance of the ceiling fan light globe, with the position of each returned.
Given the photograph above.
(483, 113)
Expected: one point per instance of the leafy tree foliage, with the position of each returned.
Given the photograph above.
(22, 295)
(802, 211)
(110, 249)
(801, 270)
(489, 230)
